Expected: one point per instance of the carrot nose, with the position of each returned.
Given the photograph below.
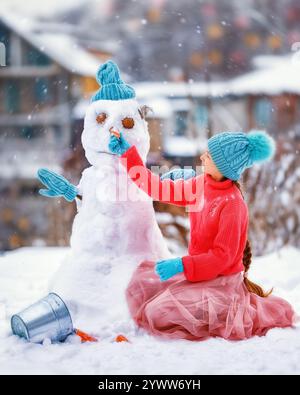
(114, 132)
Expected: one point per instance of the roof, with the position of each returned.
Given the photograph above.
(179, 89)
(271, 79)
(59, 46)
(272, 76)
(182, 146)
(44, 8)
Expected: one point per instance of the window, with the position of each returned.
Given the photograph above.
(181, 122)
(42, 92)
(29, 132)
(5, 39)
(37, 58)
(12, 96)
(263, 112)
(201, 116)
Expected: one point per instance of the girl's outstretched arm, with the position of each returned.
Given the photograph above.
(178, 192)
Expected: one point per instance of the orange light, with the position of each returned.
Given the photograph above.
(15, 241)
(154, 15)
(7, 215)
(215, 31)
(274, 42)
(252, 40)
(196, 59)
(23, 224)
(215, 57)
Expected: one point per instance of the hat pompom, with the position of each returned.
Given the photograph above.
(108, 73)
(262, 146)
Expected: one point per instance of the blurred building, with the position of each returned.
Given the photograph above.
(45, 89)
(184, 115)
(46, 72)
(171, 40)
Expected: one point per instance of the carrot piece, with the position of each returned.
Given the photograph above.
(85, 337)
(121, 338)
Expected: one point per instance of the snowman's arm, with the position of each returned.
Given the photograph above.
(82, 187)
(78, 197)
(179, 192)
(78, 201)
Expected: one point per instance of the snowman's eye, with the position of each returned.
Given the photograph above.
(101, 118)
(128, 123)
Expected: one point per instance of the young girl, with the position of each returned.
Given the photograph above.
(206, 293)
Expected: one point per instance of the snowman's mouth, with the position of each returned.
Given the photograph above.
(105, 152)
(101, 151)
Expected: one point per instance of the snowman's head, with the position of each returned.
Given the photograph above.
(113, 106)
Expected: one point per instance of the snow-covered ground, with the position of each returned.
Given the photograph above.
(24, 277)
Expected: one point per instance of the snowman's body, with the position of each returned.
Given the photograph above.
(115, 227)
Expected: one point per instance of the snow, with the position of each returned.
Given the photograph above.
(115, 227)
(65, 50)
(24, 277)
(80, 108)
(272, 76)
(60, 46)
(179, 89)
(38, 8)
(21, 167)
(280, 77)
(265, 61)
(180, 146)
(161, 107)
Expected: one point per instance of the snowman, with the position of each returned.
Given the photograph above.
(115, 226)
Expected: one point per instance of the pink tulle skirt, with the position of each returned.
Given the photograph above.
(179, 309)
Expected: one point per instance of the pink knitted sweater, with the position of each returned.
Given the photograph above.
(217, 212)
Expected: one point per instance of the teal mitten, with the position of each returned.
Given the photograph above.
(168, 268)
(57, 185)
(178, 173)
(118, 145)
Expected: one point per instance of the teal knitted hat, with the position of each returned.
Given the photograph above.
(233, 152)
(112, 87)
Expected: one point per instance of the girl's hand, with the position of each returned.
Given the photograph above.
(168, 268)
(118, 145)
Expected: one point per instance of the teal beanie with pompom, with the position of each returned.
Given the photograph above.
(233, 152)
(112, 86)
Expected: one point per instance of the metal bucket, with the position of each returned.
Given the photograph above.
(47, 318)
